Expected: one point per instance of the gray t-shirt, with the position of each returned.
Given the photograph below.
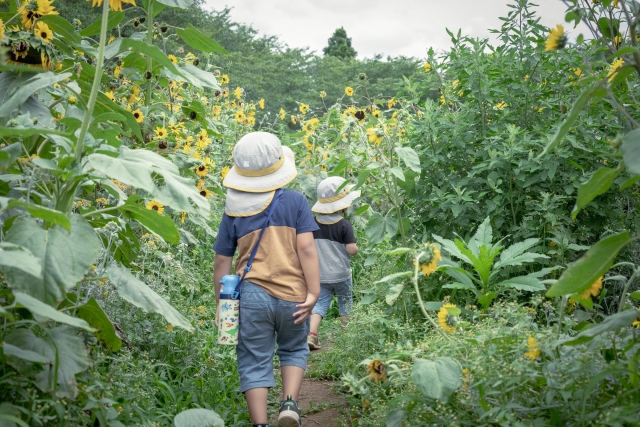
(331, 240)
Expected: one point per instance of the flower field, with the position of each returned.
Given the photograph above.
(497, 279)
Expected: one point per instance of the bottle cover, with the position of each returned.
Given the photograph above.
(229, 310)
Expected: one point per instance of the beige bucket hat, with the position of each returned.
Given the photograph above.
(242, 203)
(261, 164)
(330, 202)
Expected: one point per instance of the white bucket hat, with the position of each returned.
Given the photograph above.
(261, 164)
(243, 203)
(330, 202)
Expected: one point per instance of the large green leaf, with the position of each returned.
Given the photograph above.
(631, 151)
(16, 256)
(114, 19)
(9, 154)
(13, 99)
(484, 233)
(198, 417)
(182, 4)
(28, 355)
(42, 312)
(599, 183)
(438, 378)
(50, 215)
(375, 228)
(511, 255)
(410, 158)
(610, 323)
(137, 167)
(139, 294)
(96, 317)
(523, 283)
(72, 358)
(162, 225)
(580, 275)
(393, 292)
(197, 40)
(65, 257)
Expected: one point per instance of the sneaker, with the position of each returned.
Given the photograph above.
(314, 342)
(289, 413)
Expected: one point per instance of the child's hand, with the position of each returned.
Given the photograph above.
(304, 309)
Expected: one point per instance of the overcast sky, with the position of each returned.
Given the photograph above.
(390, 27)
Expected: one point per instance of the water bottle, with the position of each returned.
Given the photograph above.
(229, 310)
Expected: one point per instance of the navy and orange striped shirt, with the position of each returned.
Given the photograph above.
(276, 267)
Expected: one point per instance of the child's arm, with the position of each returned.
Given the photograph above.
(308, 256)
(352, 249)
(221, 267)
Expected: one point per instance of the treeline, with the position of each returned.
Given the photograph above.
(264, 66)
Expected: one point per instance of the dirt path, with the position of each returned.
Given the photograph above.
(320, 405)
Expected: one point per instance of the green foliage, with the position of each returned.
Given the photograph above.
(339, 45)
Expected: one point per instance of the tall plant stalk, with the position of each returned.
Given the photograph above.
(96, 82)
(147, 97)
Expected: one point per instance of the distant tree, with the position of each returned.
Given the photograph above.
(340, 45)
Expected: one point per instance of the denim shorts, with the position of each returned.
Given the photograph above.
(265, 321)
(327, 291)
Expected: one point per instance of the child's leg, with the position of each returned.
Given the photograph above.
(256, 342)
(345, 297)
(291, 381)
(321, 307)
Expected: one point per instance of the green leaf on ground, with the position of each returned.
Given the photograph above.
(438, 378)
(198, 417)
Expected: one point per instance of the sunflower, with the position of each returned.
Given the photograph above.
(293, 119)
(427, 67)
(202, 170)
(430, 267)
(115, 5)
(240, 116)
(348, 91)
(30, 11)
(304, 108)
(557, 39)
(614, 68)
(636, 323)
(323, 94)
(173, 58)
(161, 132)
(189, 58)
(137, 114)
(162, 145)
(375, 135)
(225, 92)
(111, 95)
(206, 193)
(183, 215)
(594, 289)
(377, 371)
(2, 37)
(283, 114)
(156, 206)
(238, 92)
(200, 184)
(224, 79)
(225, 170)
(534, 349)
(360, 115)
(43, 32)
(72, 100)
(446, 320)
(261, 103)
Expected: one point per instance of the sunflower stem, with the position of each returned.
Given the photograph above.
(96, 82)
(147, 98)
(623, 297)
(563, 305)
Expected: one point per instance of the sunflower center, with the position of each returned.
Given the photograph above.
(155, 207)
(43, 34)
(203, 193)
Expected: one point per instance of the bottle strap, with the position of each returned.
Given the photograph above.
(254, 251)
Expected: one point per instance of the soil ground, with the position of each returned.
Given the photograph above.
(320, 405)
